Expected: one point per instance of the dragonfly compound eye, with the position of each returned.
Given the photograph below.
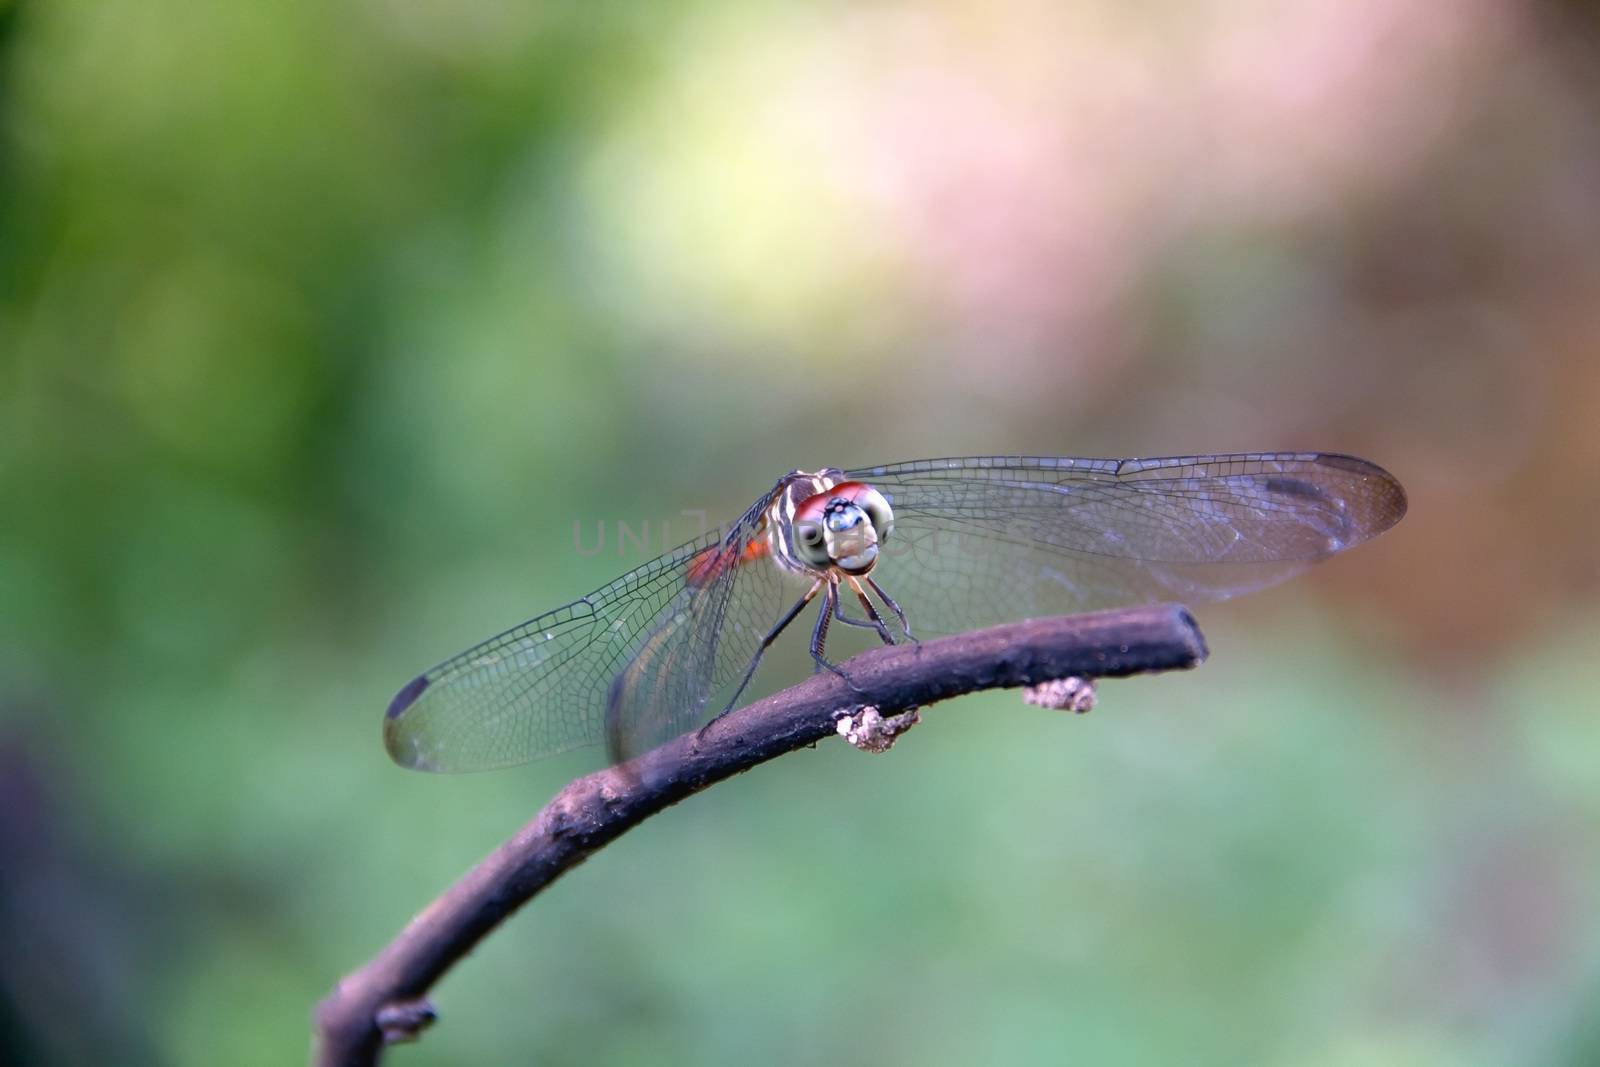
(811, 544)
(876, 505)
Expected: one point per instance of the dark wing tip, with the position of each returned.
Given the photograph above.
(403, 749)
(406, 697)
(1398, 502)
(1378, 505)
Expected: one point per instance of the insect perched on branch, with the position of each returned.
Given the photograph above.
(931, 546)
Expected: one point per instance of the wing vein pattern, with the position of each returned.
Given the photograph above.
(976, 541)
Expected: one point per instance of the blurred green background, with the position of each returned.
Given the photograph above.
(321, 324)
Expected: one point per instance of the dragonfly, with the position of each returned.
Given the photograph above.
(925, 547)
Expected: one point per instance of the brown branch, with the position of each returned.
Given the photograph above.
(385, 1001)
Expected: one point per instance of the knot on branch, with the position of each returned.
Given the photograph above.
(405, 1020)
(1072, 694)
(870, 731)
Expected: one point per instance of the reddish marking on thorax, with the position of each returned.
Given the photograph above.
(810, 509)
(709, 564)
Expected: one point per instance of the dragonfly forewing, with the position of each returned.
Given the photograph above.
(983, 540)
(631, 664)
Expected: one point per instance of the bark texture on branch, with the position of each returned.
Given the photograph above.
(385, 1000)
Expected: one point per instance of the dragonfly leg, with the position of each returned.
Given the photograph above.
(819, 635)
(876, 620)
(766, 643)
(819, 632)
(889, 600)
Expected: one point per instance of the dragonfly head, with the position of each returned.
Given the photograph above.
(843, 528)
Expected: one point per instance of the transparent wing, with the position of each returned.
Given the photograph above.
(976, 541)
(983, 540)
(632, 663)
